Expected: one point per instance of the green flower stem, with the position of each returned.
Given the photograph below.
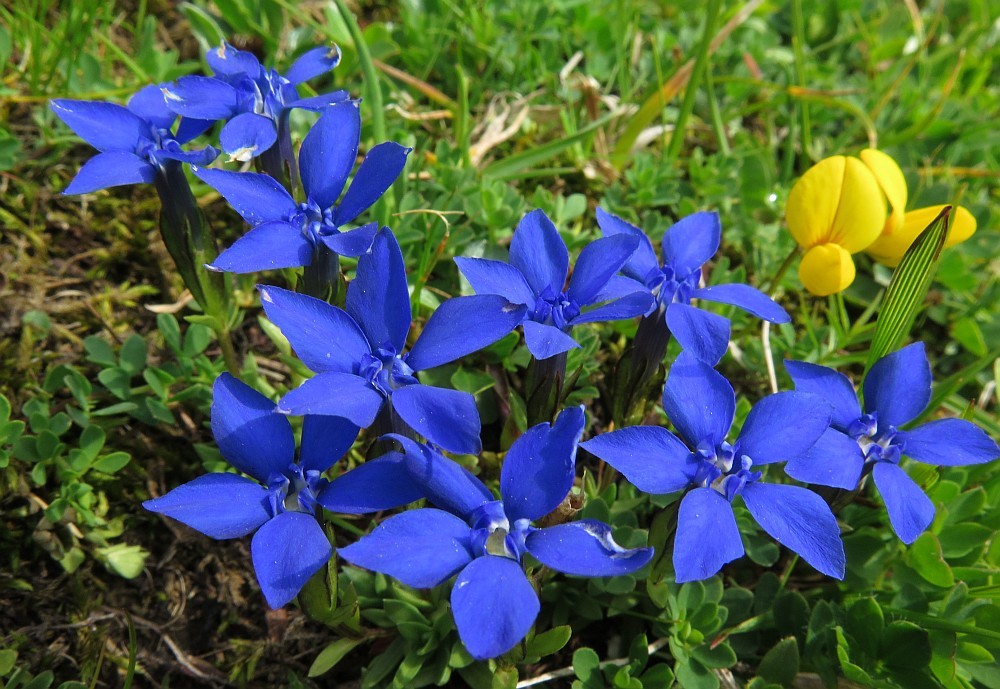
(701, 62)
(798, 40)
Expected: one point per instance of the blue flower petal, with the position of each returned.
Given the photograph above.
(324, 337)
(643, 261)
(378, 171)
(949, 442)
(835, 460)
(227, 60)
(247, 135)
(463, 325)
(149, 104)
(620, 286)
(832, 385)
(699, 401)
(320, 102)
(448, 418)
(539, 468)
(378, 298)
(910, 511)
(598, 261)
(111, 169)
(352, 242)
(286, 551)
(800, 520)
(105, 126)
(249, 434)
(494, 606)
(312, 63)
(203, 98)
(707, 536)
(585, 548)
(325, 439)
(446, 484)
(190, 128)
(898, 386)
(692, 240)
(544, 341)
(379, 484)
(629, 306)
(782, 426)
(199, 156)
(269, 246)
(704, 334)
(329, 151)
(653, 459)
(218, 505)
(496, 277)
(539, 253)
(256, 197)
(422, 548)
(747, 298)
(335, 394)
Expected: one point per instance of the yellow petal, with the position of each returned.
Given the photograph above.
(893, 183)
(889, 249)
(826, 269)
(812, 202)
(860, 215)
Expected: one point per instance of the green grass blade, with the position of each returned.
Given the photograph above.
(514, 165)
(908, 288)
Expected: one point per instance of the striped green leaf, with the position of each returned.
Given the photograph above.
(908, 288)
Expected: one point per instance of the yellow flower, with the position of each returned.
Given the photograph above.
(836, 209)
(901, 227)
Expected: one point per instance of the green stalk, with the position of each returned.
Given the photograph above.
(713, 103)
(798, 39)
(701, 61)
(373, 94)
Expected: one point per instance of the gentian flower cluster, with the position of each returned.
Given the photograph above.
(482, 540)
(896, 390)
(701, 404)
(366, 376)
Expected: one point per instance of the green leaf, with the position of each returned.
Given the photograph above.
(549, 642)
(8, 657)
(205, 27)
(117, 381)
(694, 675)
(331, 655)
(781, 663)
(504, 678)
(471, 381)
(926, 558)
(908, 287)
(124, 560)
(721, 656)
(586, 664)
(905, 645)
(110, 463)
(99, 351)
(865, 623)
(133, 355)
(170, 329)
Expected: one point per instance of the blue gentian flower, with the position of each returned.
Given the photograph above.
(483, 540)
(280, 501)
(536, 277)
(254, 100)
(701, 403)
(897, 389)
(358, 354)
(286, 234)
(687, 246)
(135, 142)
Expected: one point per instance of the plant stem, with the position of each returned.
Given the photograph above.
(782, 269)
(798, 39)
(701, 61)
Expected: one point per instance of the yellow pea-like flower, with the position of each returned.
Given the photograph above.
(901, 227)
(837, 208)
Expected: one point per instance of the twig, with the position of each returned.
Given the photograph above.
(765, 337)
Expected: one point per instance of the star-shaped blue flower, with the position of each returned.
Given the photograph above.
(687, 246)
(135, 142)
(536, 278)
(281, 499)
(701, 403)
(286, 234)
(253, 100)
(483, 540)
(897, 389)
(358, 354)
